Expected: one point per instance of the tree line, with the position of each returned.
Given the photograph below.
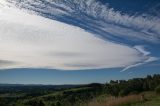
(132, 86)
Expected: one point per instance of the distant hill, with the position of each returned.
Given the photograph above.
(40, 85)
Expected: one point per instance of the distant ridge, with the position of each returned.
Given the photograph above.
(35, 85)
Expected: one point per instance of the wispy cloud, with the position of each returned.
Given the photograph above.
(145, 54)
(92, 13)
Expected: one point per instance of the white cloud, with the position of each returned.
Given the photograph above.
(136, 27)
(32, 41)
(142, 50)
(145, 54)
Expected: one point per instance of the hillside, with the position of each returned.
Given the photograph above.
(137, 91)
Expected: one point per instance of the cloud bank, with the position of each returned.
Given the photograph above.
(32, 41)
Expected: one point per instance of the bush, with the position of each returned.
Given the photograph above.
(123, 93)
(35, 102)
(157, 89)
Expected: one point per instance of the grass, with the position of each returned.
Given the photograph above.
(149, 99)
(119, 101)
(152, 102)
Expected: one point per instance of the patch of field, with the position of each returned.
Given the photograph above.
(143, 99)
(152, 102)
(118, 101)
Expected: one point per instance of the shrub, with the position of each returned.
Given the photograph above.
(157, 89)
(35, 102)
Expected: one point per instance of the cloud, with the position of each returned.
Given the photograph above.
(142, 50)
(97, 18)
(6, 63)
(76, 42)
(64, 54)
(145, 54)
(36, 42)
(150, 59)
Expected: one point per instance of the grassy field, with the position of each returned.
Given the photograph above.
(151, 102)
(143, 99)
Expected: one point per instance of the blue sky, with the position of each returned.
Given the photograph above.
(52, 76)
(78, 41)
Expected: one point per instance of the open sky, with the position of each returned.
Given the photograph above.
(78, 41)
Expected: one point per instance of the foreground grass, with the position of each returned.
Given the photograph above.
(143, 99)
(120, 101)
(152, 102)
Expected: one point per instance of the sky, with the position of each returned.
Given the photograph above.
(78, 41)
